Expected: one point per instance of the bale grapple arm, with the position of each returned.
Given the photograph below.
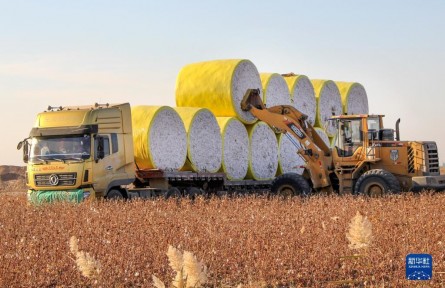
(288, 120)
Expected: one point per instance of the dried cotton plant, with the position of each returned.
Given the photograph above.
(87, 265)
(360, 232)
(189, 271)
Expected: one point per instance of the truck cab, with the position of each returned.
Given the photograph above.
(76, 153)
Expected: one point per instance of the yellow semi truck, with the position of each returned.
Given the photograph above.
(86, 152)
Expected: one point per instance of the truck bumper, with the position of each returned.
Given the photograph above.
(51, 196)
(436, 183)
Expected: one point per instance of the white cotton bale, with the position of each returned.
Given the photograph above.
(159, 138)
(263, 152)
(288, 158)
(204, 143)
(302, 95)
(328, 104)
(322, 133)
(218, 85)
(275, 91)
(235, 148)
(354, 98)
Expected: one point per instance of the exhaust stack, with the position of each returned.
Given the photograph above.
(397, 130)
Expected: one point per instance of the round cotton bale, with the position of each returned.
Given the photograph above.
(218, 85)
(353, 97)
(288, 158)
(328, 104)
(302, 95)
(274, 89)
(235, 148)
(263, 152)
(159, 138)
(204, 143)
(323, 136)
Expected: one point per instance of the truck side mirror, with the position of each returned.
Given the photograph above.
(26, 152)
(25, 146)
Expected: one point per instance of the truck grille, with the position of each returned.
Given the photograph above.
(62, 179)
(431, 158)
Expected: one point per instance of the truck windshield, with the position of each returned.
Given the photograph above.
(60, 148)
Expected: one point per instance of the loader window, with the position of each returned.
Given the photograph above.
(373, 128)
(349, 138)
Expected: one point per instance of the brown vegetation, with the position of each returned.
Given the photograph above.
(252, 241)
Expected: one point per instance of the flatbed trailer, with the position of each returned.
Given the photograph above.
(155, 183)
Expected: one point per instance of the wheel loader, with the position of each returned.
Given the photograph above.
(365, 157)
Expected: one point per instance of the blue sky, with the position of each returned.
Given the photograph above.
(82, 52)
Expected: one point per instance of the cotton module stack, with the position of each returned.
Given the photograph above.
(204, 144)
(328, 104)
(288, 158)
(302, 95)
(354, 98)
(235, 148)
(218, 85)
(274, 89)
(263, 152)
(159, 138)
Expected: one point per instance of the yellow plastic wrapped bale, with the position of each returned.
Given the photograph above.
(263, 152)
(235, 148)
(159, 138)
(302, 95)
(328, 104)
(274, 89)
(353, 97)
(204, 143)
(288, 158)
(218, 85)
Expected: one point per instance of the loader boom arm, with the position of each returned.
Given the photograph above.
(290, 121)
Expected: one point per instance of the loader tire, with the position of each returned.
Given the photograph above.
(377, 182)
(290, 184)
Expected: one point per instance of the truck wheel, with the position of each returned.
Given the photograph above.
(290, 184)
(193, 192)
(377, 182)
(173, 192)
(114, 194)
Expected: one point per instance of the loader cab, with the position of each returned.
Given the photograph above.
(356, 133)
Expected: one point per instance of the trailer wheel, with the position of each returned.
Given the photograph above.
(173, 192)
(114, 194)
(193, 192)
(290, 184)
(377, 182)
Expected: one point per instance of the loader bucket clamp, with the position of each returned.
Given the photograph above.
(251, 99)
